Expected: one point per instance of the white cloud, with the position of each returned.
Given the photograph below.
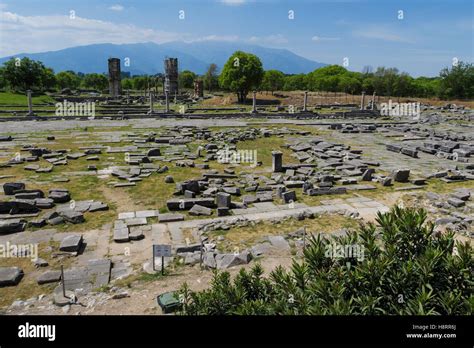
(277, 39)
(233, 2)
(320, 38)
(229, 38)
(117, 8)
(383, 34)
(33, 34)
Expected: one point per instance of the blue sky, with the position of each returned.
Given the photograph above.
(367, 32)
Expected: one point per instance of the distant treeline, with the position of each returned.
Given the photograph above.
(455, 82)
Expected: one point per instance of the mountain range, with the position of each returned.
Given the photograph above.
(147, 58)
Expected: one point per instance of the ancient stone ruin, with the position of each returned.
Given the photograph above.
(171, 76)
(115, 86)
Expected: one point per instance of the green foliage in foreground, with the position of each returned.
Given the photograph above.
(407, 269)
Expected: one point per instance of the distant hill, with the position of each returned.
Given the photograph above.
(147, 58)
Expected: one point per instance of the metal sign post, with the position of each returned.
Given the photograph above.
(200, 260)
(62, 281)
(161, 250)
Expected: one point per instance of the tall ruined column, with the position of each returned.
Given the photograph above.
(373, 101)
(115, 86)
(151, 103)
(167, 102)
(198, 89)
(362, 98)
(171, 75)
(30, 103)
(305, 101)
(254, 102)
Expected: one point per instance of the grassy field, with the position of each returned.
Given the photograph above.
(243, 237)
(8, 98)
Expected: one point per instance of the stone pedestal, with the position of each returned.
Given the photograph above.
(277, 161)
(223, 200)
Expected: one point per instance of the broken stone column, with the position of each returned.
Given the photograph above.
(151, 103)
(362, 101)
(254, 102)
(198, 89)
(171, 75)
(305, 101)
(167, 102)
(223, 200)
(277, 161)
(115, 86)
(30, 103)
(373, 102)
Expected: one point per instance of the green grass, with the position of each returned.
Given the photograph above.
(8, 98)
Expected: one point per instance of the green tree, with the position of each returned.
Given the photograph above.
(402, 268)
(241, 73)
(27, 74)
(325, 78)
(457, 82)
(3, 81)
(295, 83)
(68, 79)
(404, 85)
(211, 80)
(349, 84)
(96, 81)
(273, 80)
(140, 82)
(127, 83)
(48, 79)
(186, 79)
(426, 87)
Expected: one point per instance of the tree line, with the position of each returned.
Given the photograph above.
(243, 72)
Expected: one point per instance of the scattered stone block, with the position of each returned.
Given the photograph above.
(120, 232)
(198, 210)
(59, 196)
(170, 217)
(72, 216)
(10, 276)
(456, 202)
(12, 226)
(401, 175)
(289, 196)
(223, 200)
(49, 277)
(71, 243)
(279, 242)
(224, 261)
(9, 188)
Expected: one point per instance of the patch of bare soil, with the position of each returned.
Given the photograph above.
(121, 199)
